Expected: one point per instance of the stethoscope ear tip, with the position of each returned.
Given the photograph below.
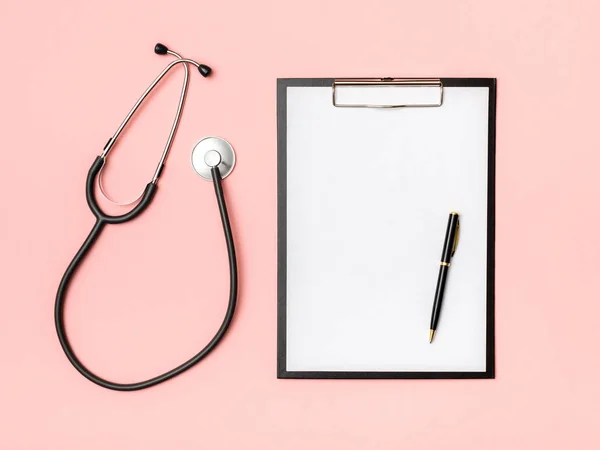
(160, 49)
(204, 70)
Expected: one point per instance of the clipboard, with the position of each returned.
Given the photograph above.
(368, 171)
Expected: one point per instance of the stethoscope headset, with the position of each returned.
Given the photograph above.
(213, 158)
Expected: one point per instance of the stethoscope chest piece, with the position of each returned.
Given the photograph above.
(213, 152)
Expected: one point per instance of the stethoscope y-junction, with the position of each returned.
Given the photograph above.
(213, 158)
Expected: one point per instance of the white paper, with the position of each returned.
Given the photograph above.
(369, 192)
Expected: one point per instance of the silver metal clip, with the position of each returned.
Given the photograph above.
(387, 83)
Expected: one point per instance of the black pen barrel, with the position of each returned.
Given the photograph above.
(439, 296)
(451, 231)
(450, 241)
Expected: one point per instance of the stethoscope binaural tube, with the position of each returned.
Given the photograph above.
(103, 219)
(159, 49)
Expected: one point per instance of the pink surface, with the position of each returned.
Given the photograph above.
(155, 289)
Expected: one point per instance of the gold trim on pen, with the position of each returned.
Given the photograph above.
(445, 264)
(431, 335)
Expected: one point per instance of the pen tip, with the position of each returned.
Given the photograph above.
(431, 335)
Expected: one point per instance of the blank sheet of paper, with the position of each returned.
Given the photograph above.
(369, 192)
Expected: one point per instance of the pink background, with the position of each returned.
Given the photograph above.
(155, 289)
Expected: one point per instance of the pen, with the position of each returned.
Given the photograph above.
(450, 243)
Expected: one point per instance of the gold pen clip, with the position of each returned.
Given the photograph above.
(456, 235)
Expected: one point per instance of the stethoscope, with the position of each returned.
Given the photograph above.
(213, 158)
